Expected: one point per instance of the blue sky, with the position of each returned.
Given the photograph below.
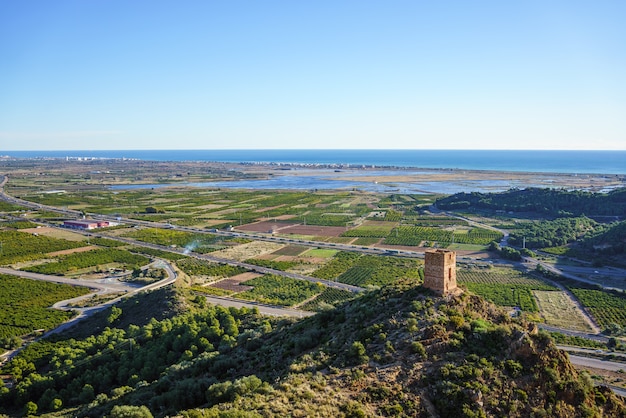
(155, 74)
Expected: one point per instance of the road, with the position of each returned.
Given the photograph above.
(596, 337)
(103, 285)
(590, 351)
(269, 310)
(613, 366)
(111, 285)
(262, 270)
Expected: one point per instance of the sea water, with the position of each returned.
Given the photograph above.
(562, 161)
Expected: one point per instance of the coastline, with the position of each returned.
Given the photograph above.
(539, 161)
(109, 173)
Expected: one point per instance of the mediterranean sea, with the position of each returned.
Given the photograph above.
(562, 161)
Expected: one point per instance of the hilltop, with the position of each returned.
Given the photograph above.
(397, 351)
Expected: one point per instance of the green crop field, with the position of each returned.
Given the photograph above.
(195, 267)
(278, 290)
(366, 241)
(371, 230)
(414, 235)
(25, 305)
(337, 266)
(272, 264)
(93, 258)
(320, 253)
(607, 308)
(504, 286)
(363, 270)
(21, 246)
(201, 243)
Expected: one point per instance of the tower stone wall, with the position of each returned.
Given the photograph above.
(440, 271)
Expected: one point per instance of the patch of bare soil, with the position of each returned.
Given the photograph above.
(72, 250)
(265, 226)
(55, 233)
(606, 377)
(233, 284)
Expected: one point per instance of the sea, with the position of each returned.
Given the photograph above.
(554, 161)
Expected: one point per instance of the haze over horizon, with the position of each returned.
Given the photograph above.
(109, 75)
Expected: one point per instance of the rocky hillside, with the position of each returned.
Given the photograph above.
(403, 352)
(399, 351)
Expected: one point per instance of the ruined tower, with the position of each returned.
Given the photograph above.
(440, 271)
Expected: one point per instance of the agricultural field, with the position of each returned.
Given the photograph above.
(327, 299)
(340, 263)
(272, 264)
(320, 253)
(415, 235)
(249, 250)
(234, 284)
(58, 233)
(607, 308)
(366, 241)
(152, 252)
(503, 286)
(21, 246)
(365, 270)
(25, 305)
(291, 250)
(206, 269)
(16, 224)
(201, 243)
(95, 258)
(278, 290)
(371, 270)
(558, 310)
(371, 229)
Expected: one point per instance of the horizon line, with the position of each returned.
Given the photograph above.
(313, 149)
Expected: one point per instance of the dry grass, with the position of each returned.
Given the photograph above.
(558, 310)
(56, 233)
(249, 250)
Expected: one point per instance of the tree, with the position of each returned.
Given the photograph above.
(30, 408)
(128, 411)
(87, 394)
(11, 342)
(114, 315)
(357, 352)
(56, 404)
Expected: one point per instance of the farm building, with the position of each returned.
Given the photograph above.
(86, 224)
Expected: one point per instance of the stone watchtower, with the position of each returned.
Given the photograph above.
(440, 271)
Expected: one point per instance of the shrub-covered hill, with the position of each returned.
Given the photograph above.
(551, 202)
(399, 351)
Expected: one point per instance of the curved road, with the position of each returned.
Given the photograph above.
(103, 286)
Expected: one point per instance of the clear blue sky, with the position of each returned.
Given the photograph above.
(112, 74)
